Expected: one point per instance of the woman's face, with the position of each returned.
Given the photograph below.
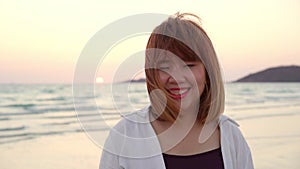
(184, 81)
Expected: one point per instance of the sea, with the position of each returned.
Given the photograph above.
(30, 111)
(268, 114)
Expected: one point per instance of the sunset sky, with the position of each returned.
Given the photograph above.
(41, 40)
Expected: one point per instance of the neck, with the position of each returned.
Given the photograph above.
(187, 116)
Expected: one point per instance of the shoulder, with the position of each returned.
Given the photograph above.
(225, 120)
(230, 129)
(227, 124)
(132, 134)
(125, 130)
(231, 134)
(134, 123)
(234, 144)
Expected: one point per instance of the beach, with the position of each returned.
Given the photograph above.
(74, 151)
(271, 150)
(77, 151)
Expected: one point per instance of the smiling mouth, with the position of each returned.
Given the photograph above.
(178, 93)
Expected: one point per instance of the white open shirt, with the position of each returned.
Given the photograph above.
(132, 144)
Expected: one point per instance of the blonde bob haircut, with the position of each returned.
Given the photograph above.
(182, 35)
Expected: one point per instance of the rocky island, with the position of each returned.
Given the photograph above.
(274, 74)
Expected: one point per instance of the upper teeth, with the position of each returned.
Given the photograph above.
(179, 91)
(182, 91)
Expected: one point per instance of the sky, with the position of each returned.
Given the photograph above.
(41, 40)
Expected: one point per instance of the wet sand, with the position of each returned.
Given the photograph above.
(274, 142)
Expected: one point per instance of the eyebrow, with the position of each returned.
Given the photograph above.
(163, 61)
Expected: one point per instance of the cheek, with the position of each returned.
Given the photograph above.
(200, 85)
(163, 77)
(201, 80)
(201, 88)
(202, 75)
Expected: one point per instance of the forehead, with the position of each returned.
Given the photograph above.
(173, 53)
(169, 57)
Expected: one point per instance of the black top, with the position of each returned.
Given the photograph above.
(207, 160)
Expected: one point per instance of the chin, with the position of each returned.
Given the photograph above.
(187, 106)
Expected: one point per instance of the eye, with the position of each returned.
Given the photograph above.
(164, 68)
(190, 65)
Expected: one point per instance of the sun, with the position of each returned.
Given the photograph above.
(99, 80)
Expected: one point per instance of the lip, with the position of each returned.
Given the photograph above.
(178, 96)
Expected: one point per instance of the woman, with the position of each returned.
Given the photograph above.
(184, 126)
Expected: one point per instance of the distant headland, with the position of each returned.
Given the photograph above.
(274, 74)
(141, 80)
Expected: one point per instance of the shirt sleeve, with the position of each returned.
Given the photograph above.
(110, 158)
(244, 157)
(109, 161)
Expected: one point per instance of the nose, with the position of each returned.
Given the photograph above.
(177, 76)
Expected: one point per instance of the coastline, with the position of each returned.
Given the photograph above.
(74, 151)
(272, 140)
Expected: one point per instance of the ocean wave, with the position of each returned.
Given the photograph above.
(13, 140)
(5, 118)
(264, 116)
(273, 137)
(48, 91)
(75, 115)
(60, 123)
(279, 91)
(12, 129)
(99, 119)
(52, 99)
(19, 113)
(7, 138)
(58, 109)
(261, 107)
(93, 129)
(28, 134)
(61, 117)
(19, 105)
